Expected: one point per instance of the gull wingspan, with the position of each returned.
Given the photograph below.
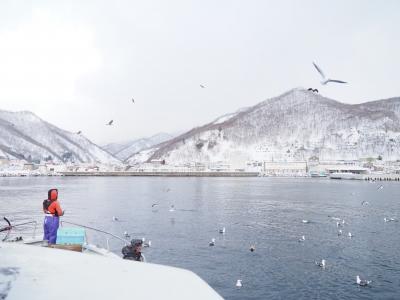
(319, 70)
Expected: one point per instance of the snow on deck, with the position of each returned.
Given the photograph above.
(44, 273)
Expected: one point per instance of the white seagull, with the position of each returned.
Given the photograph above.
(222, 230)
(212, 243)
(321, 264)
(340, 232)
(305, 221)
(362, 282)
(326, 80)
(302, 239)
(172, 208)
(239, 283)
(350, 235)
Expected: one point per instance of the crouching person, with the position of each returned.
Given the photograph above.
(133, 251)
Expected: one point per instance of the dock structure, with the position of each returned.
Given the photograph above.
(382, 177)
(165, 174)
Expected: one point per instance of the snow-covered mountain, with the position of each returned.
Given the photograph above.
(126, 149)
(296, 125)
(23, 135)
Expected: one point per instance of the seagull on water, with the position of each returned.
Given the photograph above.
(172, 208)
(321, 264)
(154, 204)
(305, 221)
(148, 244)
(222, 230)
(380, 187)
(362, 282)
(114, 218)
(350, 235)
(338, 224)
(110, 123)
(79, 132)
(202, 86)
(365, 203)
(126, 234)
(253, 248)
(326, 80)
(389, 219)
(239, 283)
(133, 100)
(340, 232)
(302, 239)
(212, 243)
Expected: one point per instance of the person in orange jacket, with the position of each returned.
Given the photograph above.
(53, 212)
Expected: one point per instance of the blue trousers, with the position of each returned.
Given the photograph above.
(50, 227)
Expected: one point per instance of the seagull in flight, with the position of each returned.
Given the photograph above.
(326, 80)
(110, 123)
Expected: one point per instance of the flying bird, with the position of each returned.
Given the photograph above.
(326, 80)
(110, 123)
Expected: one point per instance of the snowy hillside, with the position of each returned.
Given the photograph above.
(23, 135)
(127, 149)
(294, 126)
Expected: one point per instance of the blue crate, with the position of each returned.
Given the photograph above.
(70, 236)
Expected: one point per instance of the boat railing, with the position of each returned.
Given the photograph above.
(10, 226)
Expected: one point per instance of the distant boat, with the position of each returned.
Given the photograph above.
(318, 174)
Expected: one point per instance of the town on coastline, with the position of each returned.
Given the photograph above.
(363, 169)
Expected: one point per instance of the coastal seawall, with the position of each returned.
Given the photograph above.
(164, 174)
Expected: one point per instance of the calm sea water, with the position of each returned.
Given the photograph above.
(265, 211)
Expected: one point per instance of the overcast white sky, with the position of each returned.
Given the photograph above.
(77, 64)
